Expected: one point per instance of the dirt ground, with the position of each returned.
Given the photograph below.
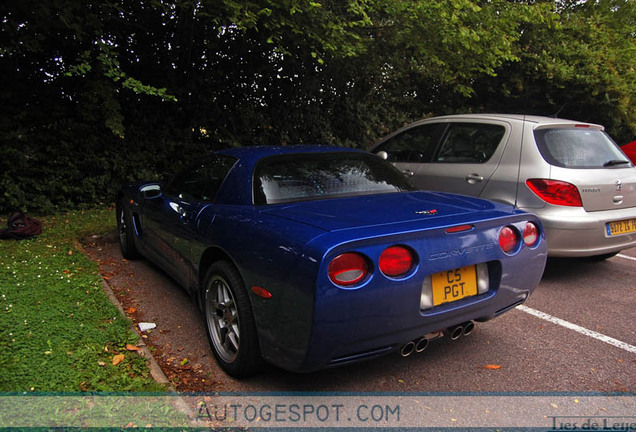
(533, 355)
(179, 342)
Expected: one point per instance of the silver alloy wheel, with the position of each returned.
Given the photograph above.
(222, 318)
(122, 227)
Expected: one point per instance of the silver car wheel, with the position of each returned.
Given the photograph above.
(125, 232)
(222, 318)
(122, 226)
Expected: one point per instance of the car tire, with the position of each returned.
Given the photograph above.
(229, 321)
(126, 232)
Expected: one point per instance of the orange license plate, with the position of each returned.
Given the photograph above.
(453, 285)
(621, 227)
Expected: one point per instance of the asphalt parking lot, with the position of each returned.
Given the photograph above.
(576, 333)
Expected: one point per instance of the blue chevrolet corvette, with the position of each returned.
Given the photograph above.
(311, 257)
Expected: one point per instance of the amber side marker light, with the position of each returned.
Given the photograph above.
(261, 292)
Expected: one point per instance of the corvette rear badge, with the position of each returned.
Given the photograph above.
(427, 212)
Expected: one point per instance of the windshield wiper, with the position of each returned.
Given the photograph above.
(615, 162)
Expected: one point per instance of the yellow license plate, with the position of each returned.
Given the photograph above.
(453, 285)
(621, 227)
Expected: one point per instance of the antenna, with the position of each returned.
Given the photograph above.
(556, 114)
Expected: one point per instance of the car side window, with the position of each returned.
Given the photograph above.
(202, 181)
(469, 142)
(416, 144)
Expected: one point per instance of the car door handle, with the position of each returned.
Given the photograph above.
(184, 215)
(408, 173)
(474, 178)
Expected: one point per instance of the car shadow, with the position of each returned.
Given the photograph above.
(558, 269)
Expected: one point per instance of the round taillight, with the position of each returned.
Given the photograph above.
(348, 269)
(396, 261)
(508, 239)
(530, 234)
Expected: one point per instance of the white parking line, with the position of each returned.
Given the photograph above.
(591, 333)
(626, 257)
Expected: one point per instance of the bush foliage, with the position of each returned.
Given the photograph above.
(98, 93)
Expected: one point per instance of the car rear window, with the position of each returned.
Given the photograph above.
(579, 148)
(290, 178)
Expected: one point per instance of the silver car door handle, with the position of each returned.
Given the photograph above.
(408, 173)
(474, 178)
(183, 214)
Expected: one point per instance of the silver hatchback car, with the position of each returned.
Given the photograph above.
(571, 174)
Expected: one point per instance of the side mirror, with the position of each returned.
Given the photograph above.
(382, 155)
(150, 191)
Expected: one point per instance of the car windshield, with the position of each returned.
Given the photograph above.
(579, 148)
(290, 178)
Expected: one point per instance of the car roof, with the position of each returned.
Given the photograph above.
(538, 120)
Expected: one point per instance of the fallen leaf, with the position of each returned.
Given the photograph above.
(184, 361)
(118, 359)
(492, 367)
(553, 405)
(101, 363)
(130, 347)
(132, 310)
(70, 252)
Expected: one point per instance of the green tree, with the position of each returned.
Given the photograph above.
(579, 65)
(95, 93)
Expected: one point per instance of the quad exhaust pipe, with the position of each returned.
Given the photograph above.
(420, 344)
(407, 349)
(460, 330)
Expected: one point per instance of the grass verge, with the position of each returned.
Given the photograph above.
(58, 330)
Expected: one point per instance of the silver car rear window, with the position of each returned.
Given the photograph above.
(579, 148)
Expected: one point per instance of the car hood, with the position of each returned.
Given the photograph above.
(391, 208)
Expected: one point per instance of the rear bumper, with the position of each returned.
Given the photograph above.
(381, 313)
(352, 326)
(577, 233)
